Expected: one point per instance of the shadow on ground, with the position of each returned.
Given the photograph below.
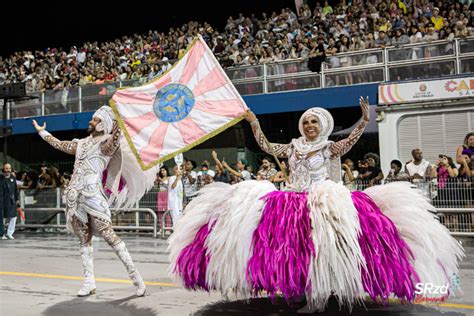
(83, 306)
(264, 307)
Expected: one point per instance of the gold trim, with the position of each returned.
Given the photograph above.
(188, 147)
(171, 155)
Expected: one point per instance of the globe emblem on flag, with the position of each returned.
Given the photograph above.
(173, 102)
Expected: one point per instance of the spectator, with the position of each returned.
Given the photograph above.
(383, 40)
(370, 171)
(465, 156)
(64, 180)
(349, 175)
(205, 176)
(9, 201)
(445, 171)
(162, 180)
(437, 20)
(418, 169)
(221, 173)
(396, 173)
(165, 66)
(46, 179)
(175, 194)
(316, 55)
(266, 171)
(241, 174)
(249, 168)
(190, 180)
(244, 39)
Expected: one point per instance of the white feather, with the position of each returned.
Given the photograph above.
(138, 181)
(196, 214)
(230, 242)
(337, 265)
(437, 253)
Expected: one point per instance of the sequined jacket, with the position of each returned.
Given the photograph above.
(311, 168)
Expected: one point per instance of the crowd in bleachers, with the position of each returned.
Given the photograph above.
(312, 33)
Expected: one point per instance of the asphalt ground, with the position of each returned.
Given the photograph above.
(40, 274)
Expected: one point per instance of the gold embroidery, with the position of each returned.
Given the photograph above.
(110, 146)
(280, 150)
(68, 147)
(343, 146)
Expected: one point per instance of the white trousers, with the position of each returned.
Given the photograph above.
(11, 226)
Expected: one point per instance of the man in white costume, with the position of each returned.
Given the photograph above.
(87, 208)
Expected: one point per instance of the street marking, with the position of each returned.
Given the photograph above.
(68, 277)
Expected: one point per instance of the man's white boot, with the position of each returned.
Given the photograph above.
(88, 288)
(135, 276)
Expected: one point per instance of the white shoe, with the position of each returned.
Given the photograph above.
(138, 283)
(10, 237)
(135, 276)
(86, 291)
(4, 237)
(87, 256)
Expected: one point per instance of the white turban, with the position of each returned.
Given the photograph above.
(326, 122)
(107, 118)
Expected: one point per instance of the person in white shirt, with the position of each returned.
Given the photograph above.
(175, 194)
(190, 180)
(418, 168)
(165, 66)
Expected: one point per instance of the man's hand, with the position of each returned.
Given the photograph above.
(214, 155)
(225, 164)
(39, 128)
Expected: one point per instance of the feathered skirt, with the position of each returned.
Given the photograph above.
(252, 240)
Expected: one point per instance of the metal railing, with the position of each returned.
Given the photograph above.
(412, 61)
(54, 218)
(453, 199)
(45, 209)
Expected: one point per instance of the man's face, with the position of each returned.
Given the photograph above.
(395, 167)
(240, 165)
(7, 168)
(189, 166)
(417, 154)
(265, 164)
(92, 124)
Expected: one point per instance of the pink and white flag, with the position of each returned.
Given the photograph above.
(190, 103)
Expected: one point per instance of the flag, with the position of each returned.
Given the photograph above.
(190, 103)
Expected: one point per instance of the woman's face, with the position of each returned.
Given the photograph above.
(470, 141)
(311, 127)
(163, 172)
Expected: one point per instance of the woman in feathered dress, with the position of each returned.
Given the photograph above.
(315, 238)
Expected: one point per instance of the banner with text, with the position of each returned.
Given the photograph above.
(422, 91)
